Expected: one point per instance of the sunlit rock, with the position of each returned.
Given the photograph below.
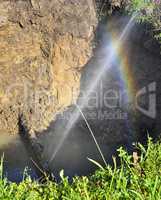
(44, 44)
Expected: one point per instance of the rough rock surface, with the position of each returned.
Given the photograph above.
(44, 44)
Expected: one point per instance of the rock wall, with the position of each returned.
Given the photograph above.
(44, 44)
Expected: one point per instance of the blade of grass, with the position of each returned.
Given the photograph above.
(96, 163)
(1, 166)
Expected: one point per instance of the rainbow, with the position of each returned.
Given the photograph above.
(124, 66)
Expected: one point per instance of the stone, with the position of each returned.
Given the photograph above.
(44, 45)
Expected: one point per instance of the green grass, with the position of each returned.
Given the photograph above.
(128, 181)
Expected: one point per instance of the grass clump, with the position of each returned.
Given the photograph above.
(139, 181)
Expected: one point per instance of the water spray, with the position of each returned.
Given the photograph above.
(105, 66)
(92, 134)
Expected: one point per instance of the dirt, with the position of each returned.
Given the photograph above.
(44, 45)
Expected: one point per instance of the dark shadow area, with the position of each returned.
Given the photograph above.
(122, 125)
(20, 156)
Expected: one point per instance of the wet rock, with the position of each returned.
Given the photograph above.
(44, 44)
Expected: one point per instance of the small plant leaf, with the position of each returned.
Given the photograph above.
(96, 163)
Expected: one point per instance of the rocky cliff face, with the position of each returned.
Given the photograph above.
(44, 44)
